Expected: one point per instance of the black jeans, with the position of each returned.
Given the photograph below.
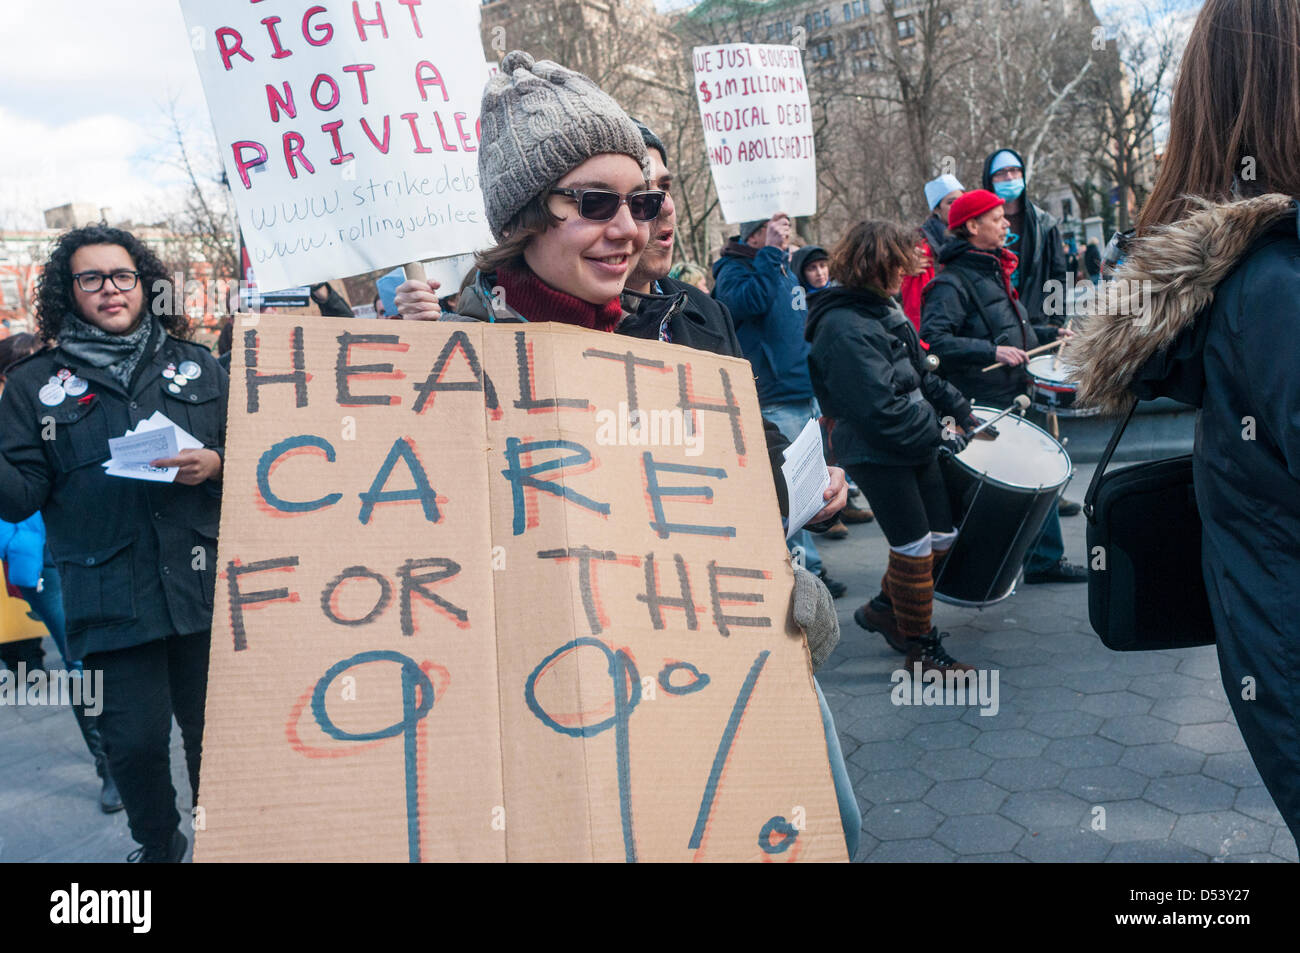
(909, 502)
(143, 687)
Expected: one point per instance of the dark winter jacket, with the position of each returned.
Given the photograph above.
(758, 289)
(869, 374)
(1042, 256)
(137, 558)
(968, 310)
(694, 320)
(1215, 300)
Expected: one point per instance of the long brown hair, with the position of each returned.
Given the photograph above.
(1236, 109)
(871, 254)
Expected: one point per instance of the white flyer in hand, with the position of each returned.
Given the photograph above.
(806, 476)
(143, 446)
(131, 453)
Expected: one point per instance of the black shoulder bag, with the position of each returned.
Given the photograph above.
(1145, 585)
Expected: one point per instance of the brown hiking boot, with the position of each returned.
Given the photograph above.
(878, 616)
(928, 650)
(853, 514)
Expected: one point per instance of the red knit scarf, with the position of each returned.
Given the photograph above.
(538, 301)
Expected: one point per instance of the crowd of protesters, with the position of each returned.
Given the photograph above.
(883, 340)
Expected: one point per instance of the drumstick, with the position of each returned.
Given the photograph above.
(1020, 403)
(1037, 350)
(1056, 358)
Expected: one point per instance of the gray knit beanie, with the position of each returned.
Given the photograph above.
(540, 120)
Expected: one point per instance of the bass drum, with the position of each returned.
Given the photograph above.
(1002, 492)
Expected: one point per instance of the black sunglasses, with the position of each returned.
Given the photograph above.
(601, 205)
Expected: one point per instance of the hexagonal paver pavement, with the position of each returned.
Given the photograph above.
(1105, 783)
(1113, 704)
(1223, 833)
(1190, 710)
(882, 755)
(1162, 760)
(1064, 724)
(910, 819)
(1284, 846)
(1025, 774)
(953, 764)
(1084, 751)
(1184, 794)
(1166, 685)
(884, 787)
(1040, 810)
(1012, 743)
(979, 834)
(923, 851)
(1257, 803)
(971, 796)
(1134, 820)
(1154, 851)
(1064, 846)
(1212, 739)
(944, 734)
(1234, 767)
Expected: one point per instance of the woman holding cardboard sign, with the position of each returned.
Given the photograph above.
(571, 208)
(135, 548)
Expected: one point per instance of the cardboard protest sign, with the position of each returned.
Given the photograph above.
(485, 595)
(349, 131)
(757, 129)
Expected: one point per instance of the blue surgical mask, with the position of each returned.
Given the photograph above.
(1009, 191)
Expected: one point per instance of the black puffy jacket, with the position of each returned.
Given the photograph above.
(869, 374)
(966, 312)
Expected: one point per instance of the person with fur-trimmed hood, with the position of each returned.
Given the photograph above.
(1213, 277)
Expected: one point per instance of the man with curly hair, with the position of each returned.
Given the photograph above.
(137, 557)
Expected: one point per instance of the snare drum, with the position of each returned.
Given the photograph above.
(1052, 387)
(1002, 492)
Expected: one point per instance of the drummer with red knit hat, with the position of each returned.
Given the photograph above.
(971, 316)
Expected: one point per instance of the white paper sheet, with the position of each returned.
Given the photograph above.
(131, 452)
(806, 477)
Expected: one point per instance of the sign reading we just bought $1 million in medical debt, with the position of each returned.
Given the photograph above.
(757, 128)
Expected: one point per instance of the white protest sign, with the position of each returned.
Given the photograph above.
(349, 131)
(757, 128)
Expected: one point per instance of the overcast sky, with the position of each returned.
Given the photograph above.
(83, 85)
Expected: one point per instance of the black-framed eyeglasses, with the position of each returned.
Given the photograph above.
(92, 281)
(601, 205)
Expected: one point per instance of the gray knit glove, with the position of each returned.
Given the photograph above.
(814, 612)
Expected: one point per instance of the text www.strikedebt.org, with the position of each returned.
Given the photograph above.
(1171, 919)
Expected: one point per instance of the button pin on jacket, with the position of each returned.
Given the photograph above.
(174, 388)
(191, 370)
(63, 374)
(74, 386)
(169, 372)
(51, 395)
